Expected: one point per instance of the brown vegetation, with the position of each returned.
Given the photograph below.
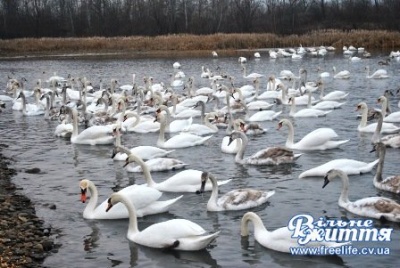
(225, 44)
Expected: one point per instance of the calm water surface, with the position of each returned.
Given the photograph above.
(92, 243)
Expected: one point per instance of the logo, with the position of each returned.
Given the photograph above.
(305, 229)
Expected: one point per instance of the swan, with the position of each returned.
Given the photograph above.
(94, 135)
(323, 105)
(349, 166)
(260, 116)
(184, 181)
(392, 117)
(341, 75)
(251, 76)
(387, 128)
(373, 207)
(182, 140)
(227, 146)
(391, 140)
(144, 198)
(139, 125)
(378, 74)
(158, 164)
(331, 96)
(176, 125)
(281, 239)
(306, 112)
(391, 183)
(214, 54)
(250, 129)
(268, 156)
(242, 60)
(203, 129)
(145, 152)
(29, 109)
(233, 200)
(318, 139)
(177, 234)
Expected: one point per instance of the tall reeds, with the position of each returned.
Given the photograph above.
(382, 40)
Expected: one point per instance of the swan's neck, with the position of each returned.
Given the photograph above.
(322, 88)
(94, 196)
(23, 103)
(47, 112)
(168, 119)
(251, 217)
(146, 171)
(118, 138)
(293, 107)
(384, 107)
(240, 154)
(379, 169)
(214, 193)
(209, 125)
(309, 105)
(290, 138)
(74, 115)
(376, 137)
(257, 88)
(161, 136)
(364, 116)
(344, 195)
(133, 225)
(203, 111)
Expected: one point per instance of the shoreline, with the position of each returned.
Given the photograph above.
(24, 239)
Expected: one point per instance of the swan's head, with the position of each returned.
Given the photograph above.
(381, 99)
(361, 106)
(377, 147)
(388, 93)
(83, 184)
(131, 158)
(330, 175)
(112, 201)
(291, 100)
(282, 123)
(116, 129)
(203, 179)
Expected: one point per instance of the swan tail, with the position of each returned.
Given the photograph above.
(223, 182)
(369, 167)
(270, 193)
(205, 139)
(296, 156)
(196, 242)
(160, 206)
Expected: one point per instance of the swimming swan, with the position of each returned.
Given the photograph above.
(233, 200)
(177, 234)
(363, 127)
(93, 135)
(182, 140)
(318, 139)
(373, 207)
(184, 181)
(391, 183)
(280, 239)
(268, 156)
(348, 166)
(144, 198)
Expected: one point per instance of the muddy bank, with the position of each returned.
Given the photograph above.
(25, 241)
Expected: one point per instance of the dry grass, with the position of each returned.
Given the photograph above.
(225, 44)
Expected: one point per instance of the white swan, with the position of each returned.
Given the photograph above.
(145, 152)
(331, 96)
(387, 128)
(378, 74)
(391, 183)
(29, 109)
(268, 156)
(233, 200)
(177, 234)
(252, 75)
(249, 129)
(392, 117)
(184, 181)
(306, 112)
(93, 135)
(203, 129)
(64, 129)
(323, 105)
(391, 140)
(341, 75)
(139, 125)
(318, 139)
(144, 198)
(176, 125)
(349, 166)
(182, 140)
(372, 207)
(281, 239)
(158, 164)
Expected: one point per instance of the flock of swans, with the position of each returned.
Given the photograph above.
(107, 114)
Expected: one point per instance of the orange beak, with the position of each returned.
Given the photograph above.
(83, 195)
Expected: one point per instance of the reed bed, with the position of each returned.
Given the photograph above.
(225, 44)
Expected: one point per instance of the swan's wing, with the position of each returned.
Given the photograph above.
(349, 166)
(243, 198)
(95, 132)
(185, 177)
(317, 137)
(272, 155)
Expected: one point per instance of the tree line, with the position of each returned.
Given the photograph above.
(110, 18)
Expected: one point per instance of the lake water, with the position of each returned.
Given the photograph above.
(95, 243)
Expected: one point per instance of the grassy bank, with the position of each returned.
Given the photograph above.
(225, 44)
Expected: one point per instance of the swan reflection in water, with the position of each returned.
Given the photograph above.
(170, 258)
